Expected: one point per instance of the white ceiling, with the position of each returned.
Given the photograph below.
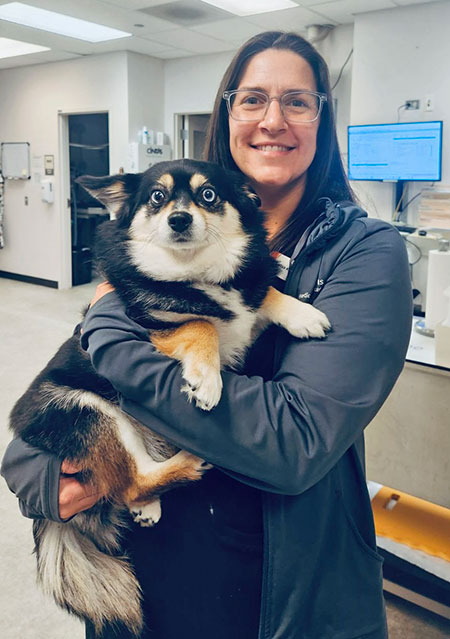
(177, 28)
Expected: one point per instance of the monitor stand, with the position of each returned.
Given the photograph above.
(399, 198)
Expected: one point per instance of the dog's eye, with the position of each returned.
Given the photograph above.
(209, 195)
(157, 197)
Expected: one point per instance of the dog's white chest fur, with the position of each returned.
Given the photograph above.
(237, 334)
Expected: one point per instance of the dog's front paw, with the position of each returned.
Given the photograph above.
(303, 320)
(203, 386)
(148, 514)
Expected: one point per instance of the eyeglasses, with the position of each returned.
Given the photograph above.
(296, 106)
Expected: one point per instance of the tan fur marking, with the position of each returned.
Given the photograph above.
(180, 468)
(198, 338)
(166, 180)
(196, 345)
(273, 299)
(108, 465)
(197, 180)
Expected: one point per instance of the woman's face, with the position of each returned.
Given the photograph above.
(274, 153)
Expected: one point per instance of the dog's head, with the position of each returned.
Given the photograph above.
(181, 207)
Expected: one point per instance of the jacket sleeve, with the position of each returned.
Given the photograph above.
(33, 476)
(285, 434)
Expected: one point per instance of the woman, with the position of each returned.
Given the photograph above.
(279, 543)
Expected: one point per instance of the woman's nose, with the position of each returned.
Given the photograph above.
(274, 118)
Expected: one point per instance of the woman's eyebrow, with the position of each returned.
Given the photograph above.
(252, 89)
(282, 93)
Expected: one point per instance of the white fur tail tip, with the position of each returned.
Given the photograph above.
(82, 579)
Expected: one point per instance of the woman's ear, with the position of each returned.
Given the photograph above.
(116, 192)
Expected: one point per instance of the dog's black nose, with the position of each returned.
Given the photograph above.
(180, 221)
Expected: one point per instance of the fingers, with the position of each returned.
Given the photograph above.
(69, 468)
(75, 497)
(102, 289)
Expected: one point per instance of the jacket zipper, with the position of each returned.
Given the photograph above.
(264, 617)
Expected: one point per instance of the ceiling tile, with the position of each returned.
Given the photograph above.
(52, 40)
(186, 13)
(163, 38)
(191, 41)
(36, 58)
(135, 5)
(344, 11)
(105, 13)
(289, 19)
(138, 45)
(175, 53)
(404, 3)
(233, 29)
(313, 3)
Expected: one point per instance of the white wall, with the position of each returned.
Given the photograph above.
(145, 94)
(400, 54)
(191, 85)
(335, 49)
(30, 100)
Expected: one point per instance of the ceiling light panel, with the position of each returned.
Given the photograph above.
(251, 7)
(29, 16)
(12, 48)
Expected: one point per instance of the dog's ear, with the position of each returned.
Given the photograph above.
(116, 192)
(251, 194)
(244, 195)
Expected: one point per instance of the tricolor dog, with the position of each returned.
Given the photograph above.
(186, 251)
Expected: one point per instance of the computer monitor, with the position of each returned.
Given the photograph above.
(402, 151)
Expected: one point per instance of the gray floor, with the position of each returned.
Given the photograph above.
(33, 322)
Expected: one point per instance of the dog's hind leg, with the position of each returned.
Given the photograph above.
(160, 477)
(196, 345)
(298, 318)
(149, 472)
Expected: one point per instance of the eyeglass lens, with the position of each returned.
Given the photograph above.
(296, 107)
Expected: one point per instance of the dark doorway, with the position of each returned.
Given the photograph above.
(89, 155)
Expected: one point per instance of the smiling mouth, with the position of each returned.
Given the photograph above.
(271, 147)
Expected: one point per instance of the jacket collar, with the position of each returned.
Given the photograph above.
(332, 221)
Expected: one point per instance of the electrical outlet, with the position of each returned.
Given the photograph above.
(429, 103)
(412, 104)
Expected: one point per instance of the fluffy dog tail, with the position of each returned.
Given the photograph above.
(75, 569)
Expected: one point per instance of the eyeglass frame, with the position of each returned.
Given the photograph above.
(323, 98)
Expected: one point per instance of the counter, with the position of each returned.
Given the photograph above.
(408, 442)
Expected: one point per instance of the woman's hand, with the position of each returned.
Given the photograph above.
(74, 497)
(101, 290)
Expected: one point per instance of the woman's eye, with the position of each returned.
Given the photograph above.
(252, 99)
(157, 197)
(209, 195)
(296, 103)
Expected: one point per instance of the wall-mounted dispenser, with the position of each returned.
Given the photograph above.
(47, 191)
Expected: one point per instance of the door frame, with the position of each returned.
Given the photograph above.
(64, 219)
(179, 126)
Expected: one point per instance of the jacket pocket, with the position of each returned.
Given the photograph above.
(354, 501)
(365, 545)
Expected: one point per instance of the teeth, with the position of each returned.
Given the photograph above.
(272, 147)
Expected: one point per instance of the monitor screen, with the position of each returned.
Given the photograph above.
(402, 151)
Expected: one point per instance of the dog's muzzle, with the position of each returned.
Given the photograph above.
(180, 221)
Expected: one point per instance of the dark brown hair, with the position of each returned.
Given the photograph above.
(326, 175)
